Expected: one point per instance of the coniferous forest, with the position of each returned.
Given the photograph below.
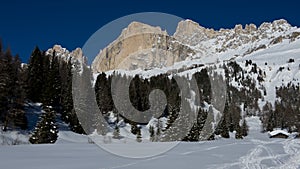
(47, 79)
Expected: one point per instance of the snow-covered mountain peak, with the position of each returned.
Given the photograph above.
(191, 32)
(65, 54)
(136, 28)
(280, 24)
(202, 43)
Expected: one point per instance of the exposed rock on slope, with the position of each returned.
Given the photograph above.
(146, 47)
(65, 54)
(141, 46)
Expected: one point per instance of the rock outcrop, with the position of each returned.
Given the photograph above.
(146, 47)
(141, 46)
(75, 55)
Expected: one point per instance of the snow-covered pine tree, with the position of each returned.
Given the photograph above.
(46, 129)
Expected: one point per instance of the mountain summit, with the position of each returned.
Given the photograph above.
(146, 47)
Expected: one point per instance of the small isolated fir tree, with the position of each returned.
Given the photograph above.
(139, 135)
(238, 134)
(116, 134)
(134, 129)
(152, 133)
(46, 130)
(222, 129)
(244, 128)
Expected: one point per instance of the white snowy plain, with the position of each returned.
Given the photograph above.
(73, 152)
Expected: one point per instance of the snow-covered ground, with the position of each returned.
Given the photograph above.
(74, 152)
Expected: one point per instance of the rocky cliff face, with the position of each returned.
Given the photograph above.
(209, 42)
(146, 47)
(143, 46)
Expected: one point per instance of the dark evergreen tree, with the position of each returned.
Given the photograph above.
(239, 133)
(139, 135)
(244, 129)
(12, 94)
(194, 134)
(222, 128)
(204, 86)
(103, 93)
(134, 128)
(152, 133)
(46, 129)
(84, 104)
(68, 112)
(52, 86)
(116, 133)
(35, 81)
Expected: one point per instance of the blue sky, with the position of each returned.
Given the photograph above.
(25, 24)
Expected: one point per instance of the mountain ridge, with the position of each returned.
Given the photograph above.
(204, 42)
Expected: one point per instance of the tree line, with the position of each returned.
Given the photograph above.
(47, 79)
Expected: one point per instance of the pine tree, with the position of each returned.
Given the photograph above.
(116, 133)
(85, 105)
(222, 128)
(6, 88)
(68, 112)
(152, 133)
(194, 134)
(134, 129)
(11, 92)
(103, 93)
(139, 136)
(239, 133)
(244, 128)
(35, 81)
(204, 86)
(52, 87)
(46, 130)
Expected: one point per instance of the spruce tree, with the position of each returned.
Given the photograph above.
(52, 86)
(11, 92)
(222, 128)
(134, 129)
(103, 93)
(46, 129)
(68, 112)
(35, 81)
(194, 134)
(139, 135)
(116, 133)
(152, 133)
(239, 133)
(244, 128)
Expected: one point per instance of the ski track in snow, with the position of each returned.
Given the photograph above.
(253, 159)
(291, 147)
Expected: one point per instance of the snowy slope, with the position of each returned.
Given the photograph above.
(256, 151)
